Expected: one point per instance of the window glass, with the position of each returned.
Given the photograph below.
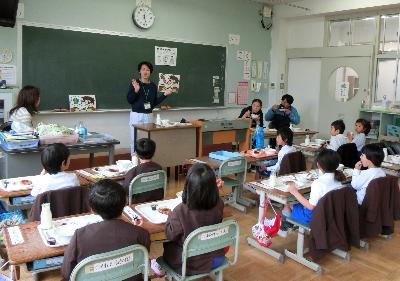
(339, 33)
(386, 80)
(363, 31)
(389, 33)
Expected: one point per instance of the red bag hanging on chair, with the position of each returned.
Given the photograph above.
(266, 229)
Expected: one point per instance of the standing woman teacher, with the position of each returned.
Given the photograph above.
(143, 97)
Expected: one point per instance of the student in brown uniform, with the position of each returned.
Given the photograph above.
(145, 149)
(201, 206)
(107, 199)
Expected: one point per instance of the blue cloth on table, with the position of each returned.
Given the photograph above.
(301, 214)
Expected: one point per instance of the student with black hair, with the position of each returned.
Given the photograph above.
(144, 149)
(284, 140)
(55, 160)
(337, 137)
(362, 128)
(143, 98)
(254, 112)
(331, 179)
(201, 206)
(372, 156)
(107, 198)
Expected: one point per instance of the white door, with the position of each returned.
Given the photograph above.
(330, 108)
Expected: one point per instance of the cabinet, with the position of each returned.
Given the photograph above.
(379, 122)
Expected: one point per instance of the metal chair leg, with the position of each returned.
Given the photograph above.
(299, 255)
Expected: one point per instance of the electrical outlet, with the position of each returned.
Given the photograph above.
(20, 11)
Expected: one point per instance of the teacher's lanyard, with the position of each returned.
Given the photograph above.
(146, 94)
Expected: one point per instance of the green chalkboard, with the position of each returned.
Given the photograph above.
(63, 62)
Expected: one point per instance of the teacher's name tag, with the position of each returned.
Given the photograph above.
(147, 105)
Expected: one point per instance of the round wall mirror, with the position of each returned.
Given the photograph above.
(343, 83)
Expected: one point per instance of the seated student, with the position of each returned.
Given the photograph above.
(107, 198)
(371, 157)
(284, 139)
(327, 162)
(362, 128)
(55, 160)
(254, 112)
(201, 206)
(27, 105)
(145, 149)
(337, 137)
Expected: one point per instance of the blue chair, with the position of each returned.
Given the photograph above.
(116, 265)
(203, 240)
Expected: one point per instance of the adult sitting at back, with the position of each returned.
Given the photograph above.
(283, 114)
(254, 112)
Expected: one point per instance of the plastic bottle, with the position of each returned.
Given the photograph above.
(135, 160)
(385, 152)
(46, 218)
(272, 179)
(82, 131)
(158, 120)
(259, 137)
(307, 140)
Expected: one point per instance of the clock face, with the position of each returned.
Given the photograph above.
(5, 55)
(143, 17)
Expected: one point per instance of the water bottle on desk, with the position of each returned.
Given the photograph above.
(82, 131)
(46, 218)
(259, 137)
(272, 179)
(307, 140)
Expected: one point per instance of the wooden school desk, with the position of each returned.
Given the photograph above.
(240, 201)
(280, 197)
(33, 247)
(218, 132)
(310, 151)
(271, 133)
(391, 168)
(26, 162)
(5, 196)
(93, 179)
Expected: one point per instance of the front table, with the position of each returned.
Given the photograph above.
(174, 144)
(26, 162)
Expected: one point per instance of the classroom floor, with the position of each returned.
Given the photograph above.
(380, 263)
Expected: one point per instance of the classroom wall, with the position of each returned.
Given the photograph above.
(305, 32)
(303, 27)
(206, 21)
